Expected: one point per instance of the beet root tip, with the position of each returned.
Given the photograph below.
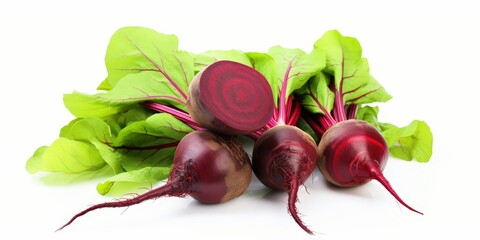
(292, 208)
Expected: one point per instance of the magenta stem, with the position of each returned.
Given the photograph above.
(331, 121)
(288, 109)
(352, 111)
(319, 130)
(283, 94)
(295, 113)
(180, 115)
(338, 108)
(161, 146)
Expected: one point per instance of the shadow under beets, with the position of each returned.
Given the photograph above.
(358, 191)
(257, 190)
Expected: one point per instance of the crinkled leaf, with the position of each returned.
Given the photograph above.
(133, 114)
(369, 92)
(295, 67)
(414, 141)
(67, 156)
(34, 163)
(144, 175)
(110, 155)
(134, 159)
(135, 50)
(98, 133)
(343, 57)
(368, 114)
(410, 142)
(84, 105)
(204, 59)
(316, 96)
(151, 142)
(65, 130)
(87, 129)
(265, 64)
(160, 128)
(142, 86)
(351, 73)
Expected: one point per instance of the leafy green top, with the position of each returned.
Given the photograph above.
(336, 93)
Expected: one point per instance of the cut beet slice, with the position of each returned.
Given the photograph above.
(230, 98)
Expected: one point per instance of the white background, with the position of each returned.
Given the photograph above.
(422, 53)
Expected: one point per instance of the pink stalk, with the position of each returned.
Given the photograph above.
(182, 116)
(338, 108)
(352, 111)
(283, 94)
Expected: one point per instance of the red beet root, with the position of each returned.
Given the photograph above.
(352, 153)
(283, 158)
(209, 167)
(230, 98)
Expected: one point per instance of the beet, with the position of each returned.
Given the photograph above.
(352, 153)
(283, 158)
(230, 98)
(209, 167)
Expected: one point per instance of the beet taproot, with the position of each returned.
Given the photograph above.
(283, 158)
(352, 153)
(209, 167)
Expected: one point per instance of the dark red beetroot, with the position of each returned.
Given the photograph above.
(352, 153)
(283, 158)
(230, 98)
(209, 167)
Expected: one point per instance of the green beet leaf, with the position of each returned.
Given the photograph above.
(295, 67)
(96, 132)
(349, 72)
(317, 96)
(286, 69)
(34, 163)
(136, 49)
(369, 114)
(204, 59)
(158, 129)
(151, 142)
(336, 92)
(265, 64)
(84, 105)
(134, 114)
(413, 141)
(87, 129)
(140, 87)
(66, 156)
(110, 156)
(148, 54)
(147, 175)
